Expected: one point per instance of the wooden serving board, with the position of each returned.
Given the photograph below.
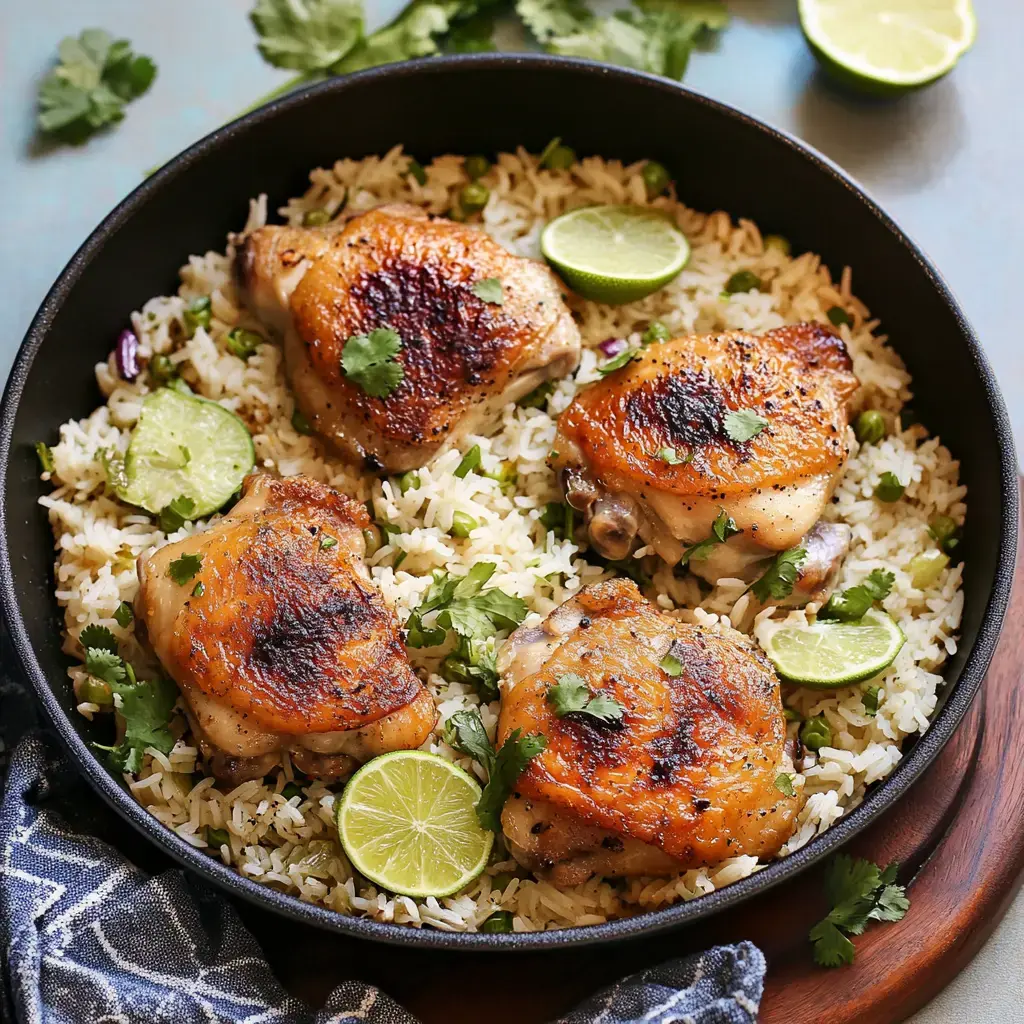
(960, 830)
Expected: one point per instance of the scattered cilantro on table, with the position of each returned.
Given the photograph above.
(95, 77)
(858, 892)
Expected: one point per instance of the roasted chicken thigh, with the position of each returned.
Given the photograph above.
(686, 778)
(463, 356)
(659, 448)
(279, 641)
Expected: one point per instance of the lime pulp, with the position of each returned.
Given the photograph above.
(833, 654)
(615, 254)
(407, 821)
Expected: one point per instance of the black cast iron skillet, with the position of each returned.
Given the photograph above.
(719, 159)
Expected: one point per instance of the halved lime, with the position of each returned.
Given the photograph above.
(407, 821)
(888, 46)
(615, 254)
(831, 654)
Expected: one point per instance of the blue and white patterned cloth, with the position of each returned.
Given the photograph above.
(87, 937)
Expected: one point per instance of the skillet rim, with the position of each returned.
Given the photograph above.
(961, 693)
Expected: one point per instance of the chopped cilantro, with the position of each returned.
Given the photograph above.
(778, 579)
(45, 456)
(176, 513)
(722, 529)
(369, 361)
(465, 732)
(99, 638)
(301, 424)
(672, 457)
(470, 462)
(243, 343)
(784, 784)
(670, 664)
(571, 695)
(88, 89)
(510, 762)
(326, 542)
(473, 663)
(618, 362)
(199, 589)
(858, 892)
(182, 569)
(853, 603)
(744, 425)
(124, 614)
(870, 697)
(538, 397)
(489, 290)
(198, 313)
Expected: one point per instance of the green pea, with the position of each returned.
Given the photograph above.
(926, 568)
(372, 540)
(816, 733)
(462, 525)
(656, 178)
(656, 332)
(197, 314)
(869, 427)
(408, 481)
(161, 370)
(839, 316)
(217, 837)
(499, 921)
(291, 789)
(415, 171)
(779, 242)
(945, 532)
(538, 397)
(474, 196)
(742, 281)
(556, 157)
(300, 423)
(476, 166)
(95, 691)
(315, 218)
(889, 488)
(243, 343)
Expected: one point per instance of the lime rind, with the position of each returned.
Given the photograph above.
(862, 43)
(828, 655)
(407, 821)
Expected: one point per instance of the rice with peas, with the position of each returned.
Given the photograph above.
(290, 842)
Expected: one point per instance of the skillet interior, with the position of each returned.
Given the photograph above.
(719, 158)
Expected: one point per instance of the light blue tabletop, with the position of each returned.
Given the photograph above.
(945, 162)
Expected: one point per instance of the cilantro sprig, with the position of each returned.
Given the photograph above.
(854, 602)
(369, 361)
(465, 732)
(176, 513)
(95, 77)
(722, 529)
(859, 892)
(571, 695)
(778, 579)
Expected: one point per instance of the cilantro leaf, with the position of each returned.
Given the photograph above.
(618, 362)
(368, 360)
(475, 35)
(105, 665)
(778, 579)
(146, 710)
(571, 695)
(510, 762)
(784, 784)
(743, 425)
(182, 569)
(869, 697)
(853, 603)
(671, 664)
(671, 456)
(307, 35)
(93, 80)
(722, 529)
(124, 614)
(490, 290)
(859, 892)
(474, 663)
(176, 513)
(465, 732)
(45, 456)
(98, 637)
(550, 19)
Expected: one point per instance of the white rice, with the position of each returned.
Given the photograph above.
(291, 844)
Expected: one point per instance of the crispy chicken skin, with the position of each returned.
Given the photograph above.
(396, 266)
(677, 396)
(686, 779)
(288, 645)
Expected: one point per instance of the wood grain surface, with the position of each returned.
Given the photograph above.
(959, 833)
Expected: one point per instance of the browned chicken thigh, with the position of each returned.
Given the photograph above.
(463, 357)
(659, 448)
(687, 776)
(280, 641)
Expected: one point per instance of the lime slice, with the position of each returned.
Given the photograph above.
(615, 254)
(888, 46)
(407, 821)
(830, 654)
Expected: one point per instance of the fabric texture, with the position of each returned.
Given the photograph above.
(88, 937)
